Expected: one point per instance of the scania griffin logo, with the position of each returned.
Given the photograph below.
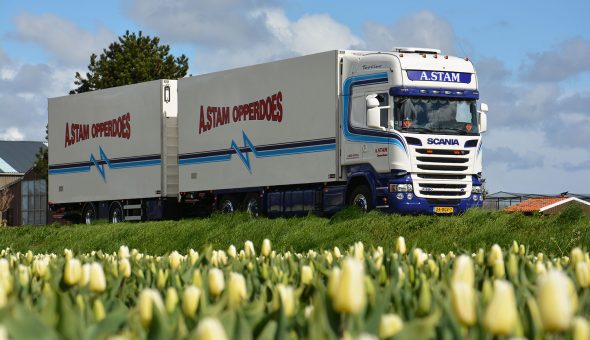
(443, 141)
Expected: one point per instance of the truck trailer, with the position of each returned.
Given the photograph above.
(397, 131)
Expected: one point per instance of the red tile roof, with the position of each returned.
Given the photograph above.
(534, 204)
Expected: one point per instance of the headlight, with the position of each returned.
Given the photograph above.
(401, 188)
(476, 189)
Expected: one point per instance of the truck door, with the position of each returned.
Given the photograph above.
(376, 152)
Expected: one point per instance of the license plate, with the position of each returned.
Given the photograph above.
(444, 210)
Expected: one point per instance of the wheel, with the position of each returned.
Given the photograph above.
(228, 205)
(360, 197)
(252, 205)
(88, 213)
(116, 213)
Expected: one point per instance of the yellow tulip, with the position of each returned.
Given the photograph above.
(333, 282)
(580, 329)
(583, 274)
(249, 249)
(72, 272)
(210, 329)
(463, 270)
(351, 297)
(287, 296)
(97, 282)
(306, 275)
(125, 268)
(555, 302)
(171, 299)
(98, 310)
(190, 301)
(148, 299)
(463, 302)
(216, 281)
(501, 316)
(390, 325)
(266, 248)
(232, 252)
(174, 259)
(236, 289)
(123, 252)
(576, 255)
(400, 245)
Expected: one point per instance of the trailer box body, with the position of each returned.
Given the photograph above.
(114, 144)
(273, 124)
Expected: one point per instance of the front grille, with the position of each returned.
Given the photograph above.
(442, 193)
(442, 189)
(434, 167)
(441, 176)
(442, 159)
(443, 185)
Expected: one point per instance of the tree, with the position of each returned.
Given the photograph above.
(42, 163)
(5, 199)
(132, 59)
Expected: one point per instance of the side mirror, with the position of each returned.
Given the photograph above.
(373, 112)
(483, 117)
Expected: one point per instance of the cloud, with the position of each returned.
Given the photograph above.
(11, 134)
(218, 23)
(66, 42)
(569, 59)
(513, 160)
(419, 29)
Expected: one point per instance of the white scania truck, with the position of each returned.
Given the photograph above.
(399, 131)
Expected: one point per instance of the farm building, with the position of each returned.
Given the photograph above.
(27, 189)
(502, 200)
(547, 205)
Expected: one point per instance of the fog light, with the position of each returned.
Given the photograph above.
(475, 198)
(481, 198)
(399, 196)
(409, 196)
(476, 189)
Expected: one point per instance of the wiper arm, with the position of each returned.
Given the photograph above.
(459, 131)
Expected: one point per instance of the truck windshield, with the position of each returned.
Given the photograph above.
(435, 115)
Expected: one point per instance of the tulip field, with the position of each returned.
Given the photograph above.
(252, 291)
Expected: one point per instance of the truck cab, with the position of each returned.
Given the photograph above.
(411, 131)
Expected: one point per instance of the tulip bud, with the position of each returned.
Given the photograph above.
(540, 257)
(577, 255)
(210, 329)
(23, 275)
(216, 281)
(231, 251)
(161, 279)
(197, 279)
(425, 297)
(333, 282)
(287, 297)
(480, 257)
(495, 254)
(499, 270)
(329, 257)
(400, 245)
(555, 302)
(463, 302)
(580, 329)
(97, 282)
(266, 248)
(249, 249)
(72, 272)
(174, 259)
(68, 254)
(540, 268)
(306, 275)
(359, 251)
(124, 268)
(148, 299)
(350, 297)
(236, 289)
(583, 274)
(85, 275)
(123, 252)
(390, 325)
(514, 247)
(190, 301)
(337, 252)
(171, 299)
(40, 267)
(512, 266)
(98, 310)
(501, 316)
(463, 270)
(486, 291)
(521, 250)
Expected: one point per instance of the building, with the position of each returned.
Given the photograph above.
(29, 190)
(547, 205)
(502, 200)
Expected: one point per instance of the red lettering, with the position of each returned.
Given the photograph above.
(202, 122)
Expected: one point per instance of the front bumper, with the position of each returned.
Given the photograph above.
(416, 205)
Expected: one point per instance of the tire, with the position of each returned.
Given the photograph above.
(88, 213)
(361, 197)
(228, 205)
(116, 213)
(252, 205)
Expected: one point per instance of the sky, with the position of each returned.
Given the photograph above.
(532, 60)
